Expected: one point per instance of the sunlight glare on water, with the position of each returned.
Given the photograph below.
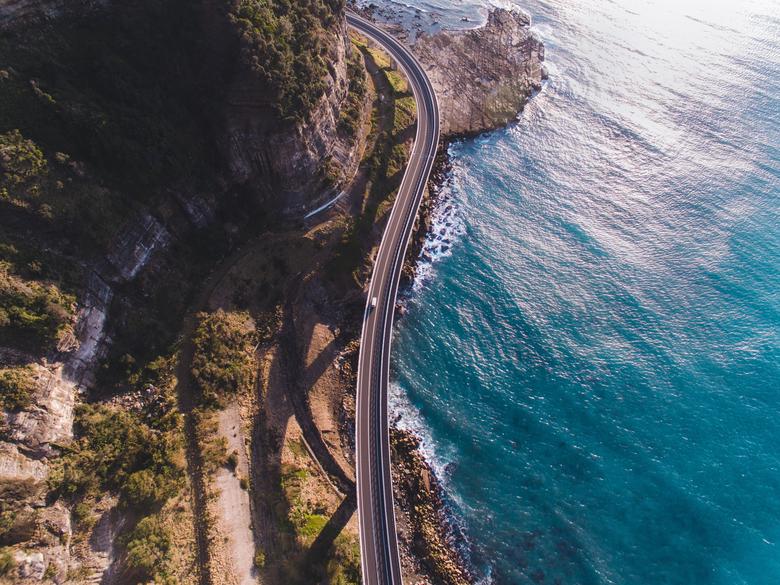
(592, 350)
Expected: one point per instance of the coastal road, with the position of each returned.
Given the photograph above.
(381, 564)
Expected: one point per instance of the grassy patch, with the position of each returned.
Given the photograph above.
(17, 385)
(344, 566)
(223, 365)
(405, 114)
(381, 58)
(397, 81)
(213, 447)
(312, 525)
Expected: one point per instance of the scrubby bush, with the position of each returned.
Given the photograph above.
(7, 563)
(33, 314)
(149, 487)
(223, 363)
(17, 385)
(259, 559)
(148, 549)
(116, 451)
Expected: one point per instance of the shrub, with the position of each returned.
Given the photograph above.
(260, 559)
(7, 563)
(223, 363)
(17, 385)
(149, 487)
(148, 548)
(33, 313)
(83, 515)
(232, 460)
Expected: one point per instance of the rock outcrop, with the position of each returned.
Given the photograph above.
(483, 77)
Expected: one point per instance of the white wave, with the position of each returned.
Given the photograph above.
(407, 417)
(447, 227)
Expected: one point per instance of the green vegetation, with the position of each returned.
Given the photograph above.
(259, 559)
(405, 114)
(285, 43)
(117, 451)
(56, 191)
(17, 521)
(381, 59)
(148, 549)
(213, 447)
(344, 567)
(312, 524)
(7, 563)
(397, 81)
(33, 315)
(223, 365)
(349, 119)
(22, 164)
(137, 455)
(17, 385)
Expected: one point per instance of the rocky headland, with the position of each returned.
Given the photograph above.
(483, 77)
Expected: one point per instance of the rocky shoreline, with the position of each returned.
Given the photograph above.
(432, 544)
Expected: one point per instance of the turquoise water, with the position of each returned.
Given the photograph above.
(592, 350)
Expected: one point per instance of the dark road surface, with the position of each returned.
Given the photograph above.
(378, 542)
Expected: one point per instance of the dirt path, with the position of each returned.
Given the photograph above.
(233, 500)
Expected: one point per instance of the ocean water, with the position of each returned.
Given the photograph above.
(592, 350)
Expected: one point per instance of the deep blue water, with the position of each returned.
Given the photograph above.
(593, 357)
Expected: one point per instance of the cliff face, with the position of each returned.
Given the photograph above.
(291, 165)
(483, 77)
(283, 162)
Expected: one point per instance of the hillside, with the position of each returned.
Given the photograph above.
(140, 143)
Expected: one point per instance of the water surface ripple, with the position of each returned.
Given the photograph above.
(593, 353)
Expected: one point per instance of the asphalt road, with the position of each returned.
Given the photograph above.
(378, 541)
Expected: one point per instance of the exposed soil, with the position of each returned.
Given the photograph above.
(233, 500)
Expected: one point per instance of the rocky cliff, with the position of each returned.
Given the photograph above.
(483, 77)
(285, 163)
(292, 161)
